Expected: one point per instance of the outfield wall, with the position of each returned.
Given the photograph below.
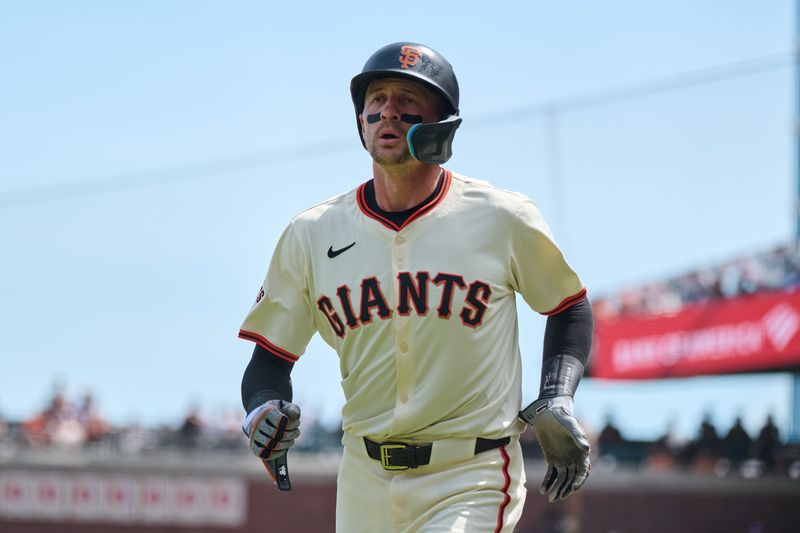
(230, 493)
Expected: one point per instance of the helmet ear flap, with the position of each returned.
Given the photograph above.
(433, 142)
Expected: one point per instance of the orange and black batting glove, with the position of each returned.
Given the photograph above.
(272, 429)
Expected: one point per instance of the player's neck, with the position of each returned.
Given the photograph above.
(401, 187)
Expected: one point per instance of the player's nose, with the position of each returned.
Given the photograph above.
(390, 110)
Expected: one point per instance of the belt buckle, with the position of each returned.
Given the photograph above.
(386, 455)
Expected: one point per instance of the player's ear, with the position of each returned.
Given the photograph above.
(361, 122)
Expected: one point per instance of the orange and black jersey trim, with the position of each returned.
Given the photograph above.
(365, 196)
(566, 303)
(268, 346)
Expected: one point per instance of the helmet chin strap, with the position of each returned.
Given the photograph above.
(430, 143)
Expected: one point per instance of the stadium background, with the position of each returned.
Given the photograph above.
(153, 153)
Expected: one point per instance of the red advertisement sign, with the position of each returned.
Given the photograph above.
(749, 333)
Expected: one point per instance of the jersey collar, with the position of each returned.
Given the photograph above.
(421, 210)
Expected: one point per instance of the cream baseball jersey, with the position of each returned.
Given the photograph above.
(423, 316)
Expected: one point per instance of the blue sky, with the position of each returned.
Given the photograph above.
(137, 293)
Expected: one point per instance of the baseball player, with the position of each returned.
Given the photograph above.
(411, 278)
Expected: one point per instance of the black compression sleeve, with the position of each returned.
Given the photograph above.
(570, 332)
(267, 377)
(567, 343)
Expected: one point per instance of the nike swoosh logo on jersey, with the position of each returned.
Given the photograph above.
(333, 253)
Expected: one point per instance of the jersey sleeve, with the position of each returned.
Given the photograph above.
(538, 268)
(281, 320)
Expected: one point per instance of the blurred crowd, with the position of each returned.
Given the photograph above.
(64, 424)
(775, 269)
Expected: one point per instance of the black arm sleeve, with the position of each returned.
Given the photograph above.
(570, 332)
(567, 343)
(267, 377)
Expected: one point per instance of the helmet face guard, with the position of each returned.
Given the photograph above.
(427, 142)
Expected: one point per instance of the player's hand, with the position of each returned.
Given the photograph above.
(564, 443)
(272, 428)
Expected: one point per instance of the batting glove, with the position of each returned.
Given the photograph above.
(564, 443)
(272, 428)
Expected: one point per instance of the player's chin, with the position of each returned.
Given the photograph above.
(392, 156)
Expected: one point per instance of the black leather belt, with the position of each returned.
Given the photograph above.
(402, 456)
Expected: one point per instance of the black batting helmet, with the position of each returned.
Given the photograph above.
(419, 63)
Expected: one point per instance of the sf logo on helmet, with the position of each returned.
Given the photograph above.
(409, 56)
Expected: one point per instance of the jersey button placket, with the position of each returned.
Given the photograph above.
(403, 332)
